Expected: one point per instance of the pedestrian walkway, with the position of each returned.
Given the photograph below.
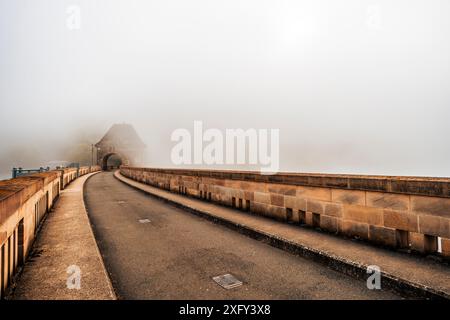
(65, 262)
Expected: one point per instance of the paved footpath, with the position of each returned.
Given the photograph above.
(411, 274)
(65, 240)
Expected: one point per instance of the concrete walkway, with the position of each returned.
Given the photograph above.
(64, 244)
(154, 250)
(409, 274)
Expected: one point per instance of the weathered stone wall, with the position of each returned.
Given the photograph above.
(400, 212)
(24, 201)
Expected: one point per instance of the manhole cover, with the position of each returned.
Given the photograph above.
(144, 220)
(227, 281)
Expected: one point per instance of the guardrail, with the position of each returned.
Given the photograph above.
(24, 202)
(19, 172)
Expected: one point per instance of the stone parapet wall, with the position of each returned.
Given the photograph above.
(24, 202)
(411, 213)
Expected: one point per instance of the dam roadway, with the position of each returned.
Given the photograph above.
(154, 250)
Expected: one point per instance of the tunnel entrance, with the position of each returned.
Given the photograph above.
(111, 161)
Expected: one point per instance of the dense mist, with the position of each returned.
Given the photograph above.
(354, 86)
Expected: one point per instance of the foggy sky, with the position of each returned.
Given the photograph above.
(354, 86)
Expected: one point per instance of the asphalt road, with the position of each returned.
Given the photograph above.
(176, 254)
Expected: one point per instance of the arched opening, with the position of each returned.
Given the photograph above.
(111, 161)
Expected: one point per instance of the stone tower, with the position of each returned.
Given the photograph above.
(123, 141)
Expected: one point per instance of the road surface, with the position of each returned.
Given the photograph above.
(153, 250)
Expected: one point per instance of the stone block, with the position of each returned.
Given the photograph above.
(331, 224)
(249, 195)
(278, 213)
(383, 236)
(253, 186)
(237, 193)
(224, 199)
(369, 183)
(401, 220)
(417, 241)
(261, 197)
(308, 218)
(215, 197)
(315, 193)
(212, 181)
(327, 181)
(372, 216)
(435, 226)
(191, 185)
(220, 190)
(355, 229)
(387, 201)
(277, 199)
(218, 182)
(259, 208)
(348, 196)
(233, 184)
(445, 244)
(333, 209)
(431, 206)
(282, 189)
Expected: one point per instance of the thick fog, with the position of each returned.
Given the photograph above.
(354, 86)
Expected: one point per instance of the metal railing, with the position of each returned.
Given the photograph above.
(19, 172)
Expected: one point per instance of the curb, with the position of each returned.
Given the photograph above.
(357, 270)
(111, 288)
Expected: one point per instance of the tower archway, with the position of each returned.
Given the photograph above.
(121, 141)
(111, 161)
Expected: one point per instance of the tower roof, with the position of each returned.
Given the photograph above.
(121, 135)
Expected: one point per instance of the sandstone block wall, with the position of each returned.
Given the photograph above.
(24, 201)
(400, 212)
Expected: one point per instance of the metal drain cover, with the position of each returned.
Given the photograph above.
(227, 281)
(144, 220)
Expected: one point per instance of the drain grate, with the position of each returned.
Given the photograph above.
(227, 281)
(144, 220)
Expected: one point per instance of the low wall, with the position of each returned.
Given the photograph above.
(24, 201)
(411, 213)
